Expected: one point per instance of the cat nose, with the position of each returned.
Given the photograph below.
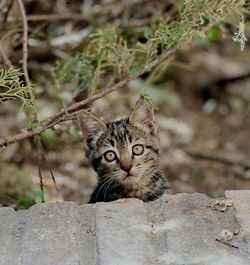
(126, 163)
(126, 167)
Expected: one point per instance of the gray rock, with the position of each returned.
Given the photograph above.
(177, 229)
(241, 201)
(47, 234)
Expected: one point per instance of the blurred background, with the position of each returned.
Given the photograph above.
(76, 48)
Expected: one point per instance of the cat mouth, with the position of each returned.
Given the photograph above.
(129, 175)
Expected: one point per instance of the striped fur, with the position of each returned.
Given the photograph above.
(129, 175)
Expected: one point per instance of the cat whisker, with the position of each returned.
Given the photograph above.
(107, 186)
(107, 179)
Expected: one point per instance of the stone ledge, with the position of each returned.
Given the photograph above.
(176, 229)
(242, 204)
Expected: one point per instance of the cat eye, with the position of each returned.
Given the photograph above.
(110, 156)
(138, 149)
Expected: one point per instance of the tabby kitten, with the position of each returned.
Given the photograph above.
(125, 155)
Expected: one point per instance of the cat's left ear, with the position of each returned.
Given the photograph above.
(143, 116)
(92, 128)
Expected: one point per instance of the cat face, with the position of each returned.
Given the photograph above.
(126, 150)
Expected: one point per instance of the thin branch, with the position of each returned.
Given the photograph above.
(79, 106)
(30, 94)
(6, 14)
(5, 58)
(25, 44)
(54, 180)
(51, 172)
(25, 51)
(40, 173)
(221, 159)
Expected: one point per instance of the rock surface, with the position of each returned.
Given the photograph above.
(177, 229)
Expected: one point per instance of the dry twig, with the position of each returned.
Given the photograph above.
(40, 155)
(6, 60)
(25, 44)
(6, 14)
(79, 106)
(31, 95)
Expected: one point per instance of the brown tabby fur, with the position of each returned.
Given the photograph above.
(129, 175)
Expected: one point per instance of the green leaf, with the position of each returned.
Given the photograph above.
(33, 125)
(12, 87)
(25, 202)
(49, 139)
(214, 34)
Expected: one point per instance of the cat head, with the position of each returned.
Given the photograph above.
(125, 150)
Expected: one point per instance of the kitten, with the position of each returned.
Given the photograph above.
(125, 155)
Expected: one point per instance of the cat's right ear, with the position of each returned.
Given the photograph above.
(92, 127)
(143, 116)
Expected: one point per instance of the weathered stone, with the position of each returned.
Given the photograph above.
(177, 229)
(190, 228)
(241, 199)
(49, 234)
(123, 233)
(11, 230)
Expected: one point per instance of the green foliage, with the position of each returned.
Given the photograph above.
(25, 203)
(49, 139)
(214, 34)
(33, 125)
(11, 87)
(40, 196)
(77, 70)
(113, 52)
(105, 52)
